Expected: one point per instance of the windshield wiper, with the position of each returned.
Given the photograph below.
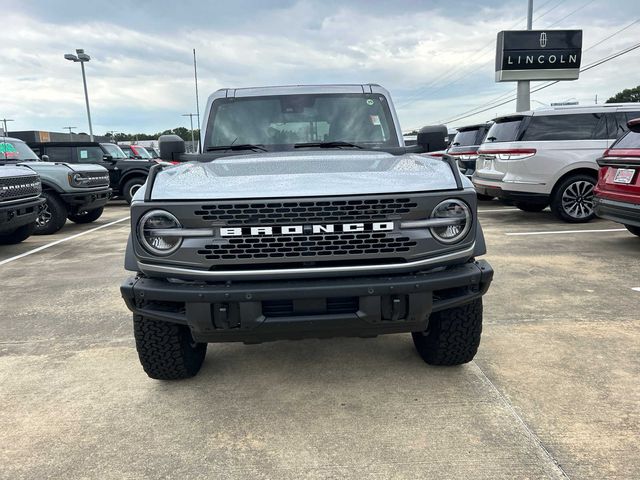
(336, 144)
(242, 146)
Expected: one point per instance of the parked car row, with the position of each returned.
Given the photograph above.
(547, 157)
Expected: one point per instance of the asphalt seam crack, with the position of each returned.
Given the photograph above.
(530, 433)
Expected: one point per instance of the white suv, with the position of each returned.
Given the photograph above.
(548, 157)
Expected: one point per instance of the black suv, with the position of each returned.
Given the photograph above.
(126, 175)
(464, 147)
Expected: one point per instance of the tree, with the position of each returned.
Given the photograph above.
(627, 95)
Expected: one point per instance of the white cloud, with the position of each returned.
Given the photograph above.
(436, 61)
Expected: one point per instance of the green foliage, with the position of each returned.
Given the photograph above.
(182, 132)
(627, 95)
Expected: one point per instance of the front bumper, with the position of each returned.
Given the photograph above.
(257, 311)
(621, 212)
(17, 214)
(91, 200)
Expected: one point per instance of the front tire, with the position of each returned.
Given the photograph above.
(453, 335)
(131, 187)
(53, 215)
(18, 235)
(572, 200)
(166, 350)
(483, 197)
(87, 216)
(530, 207)
(633, 229)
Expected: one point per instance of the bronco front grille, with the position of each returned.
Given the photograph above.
(350, 244)
(97, 179)
(307, 211)
(12, 188)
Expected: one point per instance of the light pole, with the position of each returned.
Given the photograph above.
(82, 58)
(193, 138)
(523, 101)
(70, 132)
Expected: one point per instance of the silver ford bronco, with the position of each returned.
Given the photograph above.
(304, 216)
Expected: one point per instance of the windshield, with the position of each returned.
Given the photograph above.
(465, 138)
(140, 151)
(504, 130)
(281, 121)
(113, 150)
(14, 150)
(630, 140)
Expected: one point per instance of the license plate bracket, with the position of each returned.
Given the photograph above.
(624, 175)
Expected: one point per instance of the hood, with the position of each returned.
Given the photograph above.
(15, 171)
(56, 166)
(302, 174)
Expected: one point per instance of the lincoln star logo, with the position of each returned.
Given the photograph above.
(306, 229)
(543, 39)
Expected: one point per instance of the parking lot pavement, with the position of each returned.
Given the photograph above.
(553, 392)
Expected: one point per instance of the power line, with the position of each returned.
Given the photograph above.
(446, 75)
(571, 13)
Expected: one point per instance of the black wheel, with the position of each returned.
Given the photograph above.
(572, 199)
(131, 187)
(87, 216)
(18, 235)
(453, 335)
(530, 207)
(634, 230)
(166, 350)
(53, 215)
(485, 197)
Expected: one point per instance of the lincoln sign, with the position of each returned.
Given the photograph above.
(538, 55)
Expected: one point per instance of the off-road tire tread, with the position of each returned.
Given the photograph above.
(90, 216)
(633, 229)
(164, 349)
(18, 235)
(453, 336)
(59, 214)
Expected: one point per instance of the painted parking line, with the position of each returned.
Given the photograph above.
(561, 232)
(62, 240)
(635, 289)
(496, 210)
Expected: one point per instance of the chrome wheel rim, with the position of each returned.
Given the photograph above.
(44, 217)
(577, 199)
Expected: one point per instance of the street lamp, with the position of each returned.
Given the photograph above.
(70, 132)
(5, 120)
(82, 58)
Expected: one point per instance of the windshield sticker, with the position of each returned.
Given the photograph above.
(375, 119)
(8, 150)
(84, 154)
(369, 102)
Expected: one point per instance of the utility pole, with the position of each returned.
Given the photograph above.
(193, 138)
(4, 121)
(70, 132)
(523, 101)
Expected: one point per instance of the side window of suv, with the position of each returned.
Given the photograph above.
(60, 154)
(580, 126)
(90, 154)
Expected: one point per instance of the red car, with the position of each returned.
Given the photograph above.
(617, 194)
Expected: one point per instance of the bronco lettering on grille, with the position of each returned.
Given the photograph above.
(306, 229)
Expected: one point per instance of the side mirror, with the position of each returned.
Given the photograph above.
(634, 125)
(432, 138)
(45, 158)
(107, 158)
(171, 147)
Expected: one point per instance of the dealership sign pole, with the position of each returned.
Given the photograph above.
(525, 55)
(523, 100)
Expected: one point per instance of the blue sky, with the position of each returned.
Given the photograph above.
(436, 57)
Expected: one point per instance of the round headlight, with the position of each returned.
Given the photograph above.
(153, 234)
(459, 215)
